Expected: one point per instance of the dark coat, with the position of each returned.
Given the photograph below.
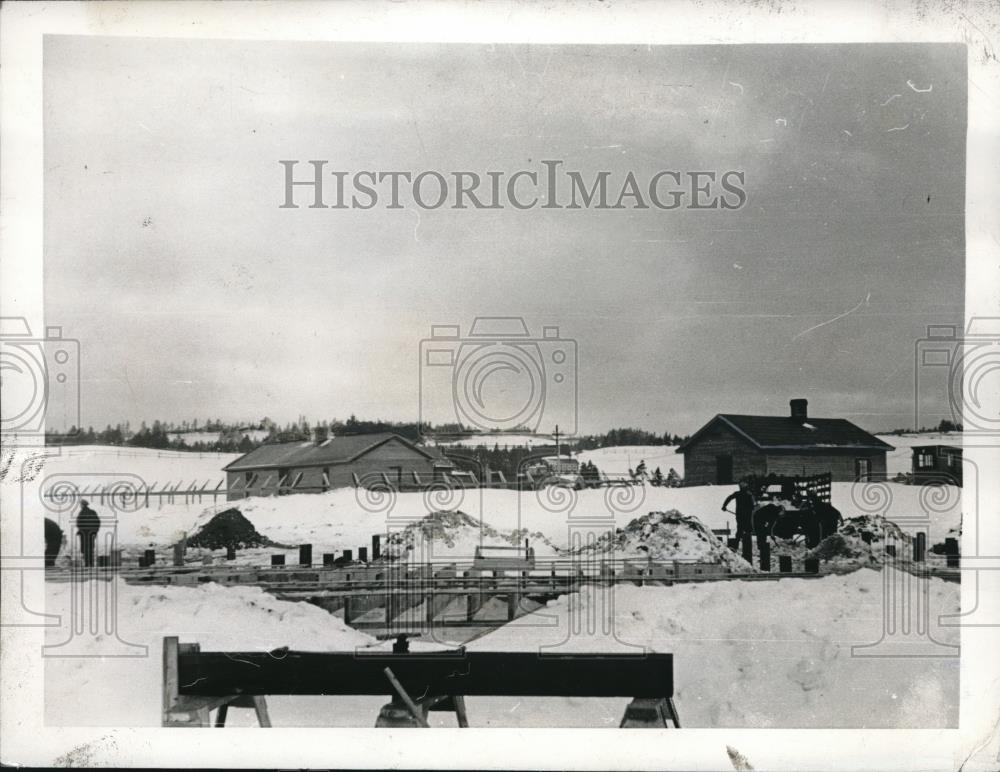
(53, 535)
(88, 520)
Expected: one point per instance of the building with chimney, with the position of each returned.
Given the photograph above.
(731, 447)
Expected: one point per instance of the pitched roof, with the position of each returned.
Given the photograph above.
(335, 450)
(786, 433)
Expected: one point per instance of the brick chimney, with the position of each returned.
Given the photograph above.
(800, 410)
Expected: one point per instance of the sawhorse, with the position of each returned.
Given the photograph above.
(190, 711)
(644, 713)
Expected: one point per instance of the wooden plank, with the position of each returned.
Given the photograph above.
(449, 672)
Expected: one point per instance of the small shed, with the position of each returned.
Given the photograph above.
(937, 463)
(730, 447)
(315, 467)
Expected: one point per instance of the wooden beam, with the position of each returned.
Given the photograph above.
(448, 672)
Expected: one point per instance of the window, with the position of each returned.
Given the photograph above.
(925, 460)
(949, 459)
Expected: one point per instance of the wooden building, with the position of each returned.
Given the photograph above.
(937, 463)
(730, 447)
(315, 467)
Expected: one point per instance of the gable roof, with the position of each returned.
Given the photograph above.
(336, 450)
(786, 433)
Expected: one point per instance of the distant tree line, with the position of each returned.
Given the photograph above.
(944, 426)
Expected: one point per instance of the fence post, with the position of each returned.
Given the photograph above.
(919, 547)
(765, 557)
(951, 552)
(305, 554)
(376, 546)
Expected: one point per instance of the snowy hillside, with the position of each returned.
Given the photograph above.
(504, 440)
(96, 461)
(618, 460)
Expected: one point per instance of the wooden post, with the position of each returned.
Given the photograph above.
(376, 546)
(347, 609)
(277, 560)
(785, 564)
(513, 601)
(150, 557)
(919, 547)
(328, 558)
(765, 557)
(747, 547)
(812, 565)
(348, 556)
(429, 609)
(179, 554)
(230, 552)
(305, 554)
(363, 554)
(951, 552)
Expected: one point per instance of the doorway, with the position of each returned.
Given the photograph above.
(724, 469)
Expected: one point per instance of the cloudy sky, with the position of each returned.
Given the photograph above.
(194, 295)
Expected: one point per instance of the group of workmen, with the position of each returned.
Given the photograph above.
(87, 525)
(751, 519)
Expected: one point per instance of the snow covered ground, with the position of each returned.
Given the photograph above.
(737, 663)
(755, 654)
(346, 518)
(125, 690)
(96, 463)
(618, 460)
(504, 440)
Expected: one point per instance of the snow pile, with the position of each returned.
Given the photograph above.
(452, 533)
(126, 691)
(669, 536)
(750, 654)
(879, 527)
(845, 553)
